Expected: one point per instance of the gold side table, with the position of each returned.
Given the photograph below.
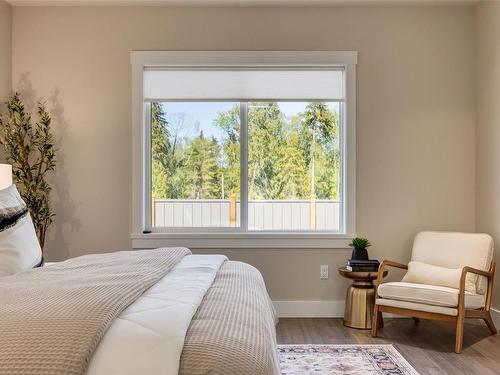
(360, 298)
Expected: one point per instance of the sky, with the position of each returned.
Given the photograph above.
(194, 117)
(196, 113)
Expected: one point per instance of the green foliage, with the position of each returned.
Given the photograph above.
(160, 150)
(288, 158)
(166, 157)
(318, 136)
(360, 243)
(201, 169)
(266, 142)
(229, 123)
(292, 170)
(29, 147)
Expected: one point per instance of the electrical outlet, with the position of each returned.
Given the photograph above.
(323, 271)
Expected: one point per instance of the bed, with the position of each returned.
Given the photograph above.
(205, 315)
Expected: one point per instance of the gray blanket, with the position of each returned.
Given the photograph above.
(233, 331)
(52, 319)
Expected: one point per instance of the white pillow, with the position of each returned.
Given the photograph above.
(423, 273)
(19, 246)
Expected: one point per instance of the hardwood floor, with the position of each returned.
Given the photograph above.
(427, 345)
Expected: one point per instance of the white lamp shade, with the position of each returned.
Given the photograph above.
(5, 175)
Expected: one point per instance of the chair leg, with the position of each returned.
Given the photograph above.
(375, 320)
(489, 322)
(459, 334)
(380, 319)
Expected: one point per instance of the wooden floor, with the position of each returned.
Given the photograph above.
(427, 345)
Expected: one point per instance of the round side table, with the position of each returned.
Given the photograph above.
(360, 298)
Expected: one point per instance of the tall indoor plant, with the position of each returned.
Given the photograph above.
(29, 147)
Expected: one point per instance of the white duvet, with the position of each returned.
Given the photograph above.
(148, 337)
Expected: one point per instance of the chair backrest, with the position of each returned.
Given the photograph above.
(455, 250)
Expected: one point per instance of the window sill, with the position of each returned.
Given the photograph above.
(247, 240)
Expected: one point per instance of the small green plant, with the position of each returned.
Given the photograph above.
(29, 147)
(360, 243)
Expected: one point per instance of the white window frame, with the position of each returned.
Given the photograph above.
(235, 237)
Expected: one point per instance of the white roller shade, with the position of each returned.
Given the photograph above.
(243, 84)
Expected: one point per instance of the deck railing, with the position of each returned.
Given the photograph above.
(275, 215)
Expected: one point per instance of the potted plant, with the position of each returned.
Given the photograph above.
(359, 251)
(28, 145)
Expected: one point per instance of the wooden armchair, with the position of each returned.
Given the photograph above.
(449, 278)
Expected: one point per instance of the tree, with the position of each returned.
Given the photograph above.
(266, 141)
(328, 174)
(288, 157)
(202, 171)
(319, 129)
(229, 122)
(293, 170)
(166, 155)
(160, 150)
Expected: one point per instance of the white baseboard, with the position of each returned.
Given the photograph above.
(310, 309)
(314, 309)
(333, 309)
(495, 315)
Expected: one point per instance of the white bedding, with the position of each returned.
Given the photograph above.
(148, 337)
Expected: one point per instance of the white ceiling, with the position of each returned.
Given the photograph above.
(233, 2)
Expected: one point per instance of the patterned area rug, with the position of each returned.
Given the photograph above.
(342, 359)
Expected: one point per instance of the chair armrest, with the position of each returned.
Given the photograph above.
(391, 263)
(381, 268)
(468, 269)
(488, 274)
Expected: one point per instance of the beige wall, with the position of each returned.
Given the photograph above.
(5, 51)
(488, 124)
(416, 117)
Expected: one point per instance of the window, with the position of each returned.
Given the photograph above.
(293, 163)
(248, 145)
(195, 171)
(294, 178)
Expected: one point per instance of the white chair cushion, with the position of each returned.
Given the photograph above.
(428, 295)
(453, 311)
(19, 246)
(423, 273)
(455, 250)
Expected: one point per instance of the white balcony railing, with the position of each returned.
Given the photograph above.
(272, 215)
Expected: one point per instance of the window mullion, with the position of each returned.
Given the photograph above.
(148, 165)
(341, 190)
(244, 166)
